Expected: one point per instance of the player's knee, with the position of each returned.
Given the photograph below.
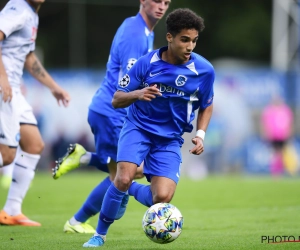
(8, 158)
(122, 182)
(162, 197)
(40, 147)
(139, 175)
(36, 148)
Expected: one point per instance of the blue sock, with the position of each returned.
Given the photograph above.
(110, 207)
(142, 193)
(93, 203)
(96, 163)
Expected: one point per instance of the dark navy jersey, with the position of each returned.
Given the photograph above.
(184, 89)
(132, 40)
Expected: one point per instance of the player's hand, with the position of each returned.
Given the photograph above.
(199, 147)
(149, 93)
(61, 96)
(5, 89)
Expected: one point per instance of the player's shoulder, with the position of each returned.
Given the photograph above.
(150, 57)
(133, 21)
(201, 62)
(15, 7)
(133, 27)
(19, 11)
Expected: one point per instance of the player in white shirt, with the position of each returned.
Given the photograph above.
(18, 126)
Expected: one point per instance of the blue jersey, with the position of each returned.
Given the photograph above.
(184, 89)
(132, 40)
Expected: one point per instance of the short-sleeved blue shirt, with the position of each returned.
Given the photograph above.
(184, 89)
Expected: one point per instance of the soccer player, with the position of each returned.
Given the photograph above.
(18, 126)
(162, 90)
(133, 39)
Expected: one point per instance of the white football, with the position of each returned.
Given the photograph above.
(162, 223)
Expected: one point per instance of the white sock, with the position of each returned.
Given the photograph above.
(1, 160)
(74, 222)
(23, 173)
(8, 170)
(85, 159)
(101, 235)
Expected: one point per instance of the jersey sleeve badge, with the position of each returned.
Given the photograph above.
(124, 82)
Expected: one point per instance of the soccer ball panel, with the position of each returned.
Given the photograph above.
(150, 231)
(164, 213)
(171, 225)
(163, 236)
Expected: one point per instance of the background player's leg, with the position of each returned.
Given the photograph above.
(6, 177)
(31, 146)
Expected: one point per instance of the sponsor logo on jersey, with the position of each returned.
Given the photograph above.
(169, 89)
(165, 89)
(154, 74)
(124, 82)
(13, 8)
(180, 80)
(2, 136)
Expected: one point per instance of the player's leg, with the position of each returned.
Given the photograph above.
(31, 146)
(6, 170)
(162, 168)
(92, 206)
(131, 152)
(112, 202)
(106, 135)
(9, 131)
(162, 189)
(77, 156)
(9, 141)
(7, 154)
(6, 177)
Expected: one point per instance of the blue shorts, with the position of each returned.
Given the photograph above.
(106, 132)
(161, 156)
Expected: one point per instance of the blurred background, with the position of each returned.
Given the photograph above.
(253, 45)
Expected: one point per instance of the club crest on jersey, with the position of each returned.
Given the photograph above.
(18, 137)
(124, 82)
(180, 80)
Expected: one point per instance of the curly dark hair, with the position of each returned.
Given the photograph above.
(180, 19)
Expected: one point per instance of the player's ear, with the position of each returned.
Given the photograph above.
(142, 2)
(169, 37)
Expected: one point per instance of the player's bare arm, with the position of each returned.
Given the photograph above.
(123, 99)
(36, 69)
(202, 124)
(5, 88)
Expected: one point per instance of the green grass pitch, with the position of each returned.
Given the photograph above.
(219, 213)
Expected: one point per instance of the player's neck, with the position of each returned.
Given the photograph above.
(150, 22)
(169, 57)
